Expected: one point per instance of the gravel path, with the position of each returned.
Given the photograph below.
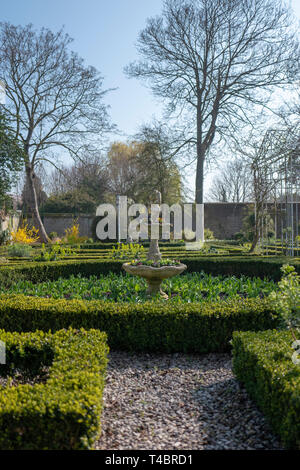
(178, 401)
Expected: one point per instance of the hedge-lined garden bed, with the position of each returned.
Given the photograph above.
(192, 327)
(193, 287)
(64, 412)
(65, 336)
(249, 266)
(263, 363)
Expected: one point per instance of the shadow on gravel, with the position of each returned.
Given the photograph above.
(231, 420)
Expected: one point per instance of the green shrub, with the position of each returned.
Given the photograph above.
(4, 236)
(127, 251)
(20, 251)
(239, 236)
(208, 234)
(9, 277)
(251, 266)
(263, 363)
(54, 252)
(64, 412)
(287, 299)
(192, 327)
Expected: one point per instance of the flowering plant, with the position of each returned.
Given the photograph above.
(72, 234)
(155, 264)
(25, 235)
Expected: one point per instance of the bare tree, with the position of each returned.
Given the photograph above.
(233, 183)
(216, 59)
(54, 100)
(77, 188)
(87, 176)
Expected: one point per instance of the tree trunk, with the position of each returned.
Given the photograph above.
(199, 176)
(255, 239)
(200, 157)
(34, 208)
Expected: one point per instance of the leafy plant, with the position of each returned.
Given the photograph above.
(55, 253)
(206, 249)
(128, 251)
(195, 287)
(5, 236)
(287, 299)
(19, 250)
(208, 234)
(155, 264)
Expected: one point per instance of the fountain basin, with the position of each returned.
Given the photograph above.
(154, 276)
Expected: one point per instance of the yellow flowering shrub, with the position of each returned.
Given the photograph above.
(72, 234)
(25, 234)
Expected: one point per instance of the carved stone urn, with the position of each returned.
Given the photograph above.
(154, 275)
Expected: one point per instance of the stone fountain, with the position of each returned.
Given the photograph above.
(154, 276)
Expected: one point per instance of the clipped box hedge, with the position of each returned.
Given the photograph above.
(263, 363)
(64, 412)
(194, 327)
(252, 266)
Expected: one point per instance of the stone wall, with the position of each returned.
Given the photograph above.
(60, 222)
(225, 219)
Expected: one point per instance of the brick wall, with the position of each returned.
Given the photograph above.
(225, 219)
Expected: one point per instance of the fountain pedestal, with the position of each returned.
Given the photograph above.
(154, 276)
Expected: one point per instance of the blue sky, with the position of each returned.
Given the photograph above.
(104, 32)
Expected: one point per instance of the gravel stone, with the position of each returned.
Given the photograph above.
(179, 401)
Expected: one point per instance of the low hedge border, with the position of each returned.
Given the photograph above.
(262, 362)
(249, 266)
(195, 327)
(64, 412)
